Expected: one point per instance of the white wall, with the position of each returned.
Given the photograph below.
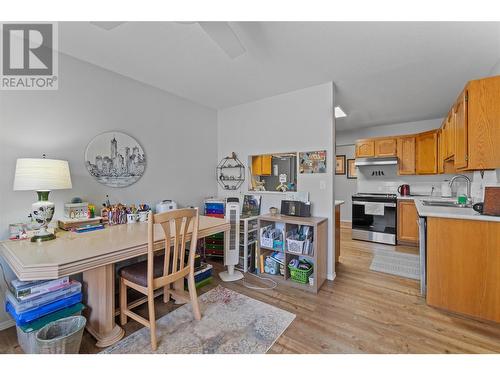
(301, 120)
(349, 137)
(178, 136)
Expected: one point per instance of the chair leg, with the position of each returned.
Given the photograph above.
(166, 293)
(152, 319)
(123, 302)
(194, 297)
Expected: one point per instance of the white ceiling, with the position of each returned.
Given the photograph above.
(384, 72)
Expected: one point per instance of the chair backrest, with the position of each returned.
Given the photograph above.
(175, 226)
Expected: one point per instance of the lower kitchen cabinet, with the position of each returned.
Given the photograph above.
(407, 223)
(463, 267)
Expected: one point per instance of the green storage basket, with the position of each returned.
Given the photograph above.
(300, 276)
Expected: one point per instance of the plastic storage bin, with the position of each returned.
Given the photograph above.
(63, 336)
(31, 315)
(300, 276)
(295, 246)
(73, 288)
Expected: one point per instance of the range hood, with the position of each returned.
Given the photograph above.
(375, 161)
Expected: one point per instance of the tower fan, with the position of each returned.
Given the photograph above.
(231, 252)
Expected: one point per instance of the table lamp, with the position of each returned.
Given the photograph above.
(42, 175)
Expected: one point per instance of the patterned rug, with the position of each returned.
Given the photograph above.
(230, 323)
(395, 263)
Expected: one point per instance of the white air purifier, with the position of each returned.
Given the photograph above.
(231, 252)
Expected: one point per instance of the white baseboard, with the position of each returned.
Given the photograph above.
(7, 324)
(331, 276)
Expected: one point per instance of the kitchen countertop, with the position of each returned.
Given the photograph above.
(450, 212)
(413, 197)
(338, 203)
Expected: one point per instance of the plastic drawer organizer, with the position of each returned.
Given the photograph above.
(19, 307)
(214, 245)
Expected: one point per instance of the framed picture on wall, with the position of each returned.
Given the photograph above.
(340, 164)
(351, 169)
(312, 162)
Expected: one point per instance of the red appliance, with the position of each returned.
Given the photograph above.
(404, 189)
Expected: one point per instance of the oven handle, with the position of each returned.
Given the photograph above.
(365, 203)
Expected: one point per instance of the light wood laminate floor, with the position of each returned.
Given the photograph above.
(360, 312)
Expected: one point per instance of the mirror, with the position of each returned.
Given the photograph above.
(273, 172)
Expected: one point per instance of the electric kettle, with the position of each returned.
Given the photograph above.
(404, 190)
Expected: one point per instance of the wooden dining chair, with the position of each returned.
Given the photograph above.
(161, 271)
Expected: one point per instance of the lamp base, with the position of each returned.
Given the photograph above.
(42, 238)
(42, 213)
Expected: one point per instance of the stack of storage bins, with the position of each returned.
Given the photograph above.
(214, 245)
(33, 304)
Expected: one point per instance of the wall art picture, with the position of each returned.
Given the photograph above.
(340, 164)
(352, 172)
(115, 159)
(312, 162)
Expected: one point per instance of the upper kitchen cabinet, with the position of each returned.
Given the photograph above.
(461, 148)
(426, 149)
(468, 139)
(441, 151)
(376, 147)
(477, 118)
(365, 148)
(406, 155)
(262, 165)
(449, 135)
(385, 147)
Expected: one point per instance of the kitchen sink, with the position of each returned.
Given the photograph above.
(445, 204)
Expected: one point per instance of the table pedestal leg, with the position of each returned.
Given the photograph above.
(99, 288)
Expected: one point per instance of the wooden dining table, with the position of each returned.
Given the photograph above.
(94, 254)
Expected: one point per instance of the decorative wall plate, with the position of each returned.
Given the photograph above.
(115, 159)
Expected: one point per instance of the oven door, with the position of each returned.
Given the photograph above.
(374, 221)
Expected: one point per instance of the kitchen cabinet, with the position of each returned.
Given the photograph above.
(407, 223)
(463, 267)
(262, 165)
(406, 155)
(467, 140)
(448, 133)
(461, 148)
(441, 158)
(365, 148)
(444, 139)
(426, 152)
(385, 147)
(480, 123)
(337, 233)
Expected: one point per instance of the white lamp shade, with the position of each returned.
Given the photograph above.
(42, 174)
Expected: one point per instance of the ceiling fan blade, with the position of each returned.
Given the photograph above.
(224, 36)
(106, 25)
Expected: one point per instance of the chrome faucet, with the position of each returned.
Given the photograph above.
(467, 180)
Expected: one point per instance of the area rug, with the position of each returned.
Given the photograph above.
(395, 263)
(231, 323)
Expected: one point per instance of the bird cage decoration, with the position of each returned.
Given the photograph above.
(230, 172)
